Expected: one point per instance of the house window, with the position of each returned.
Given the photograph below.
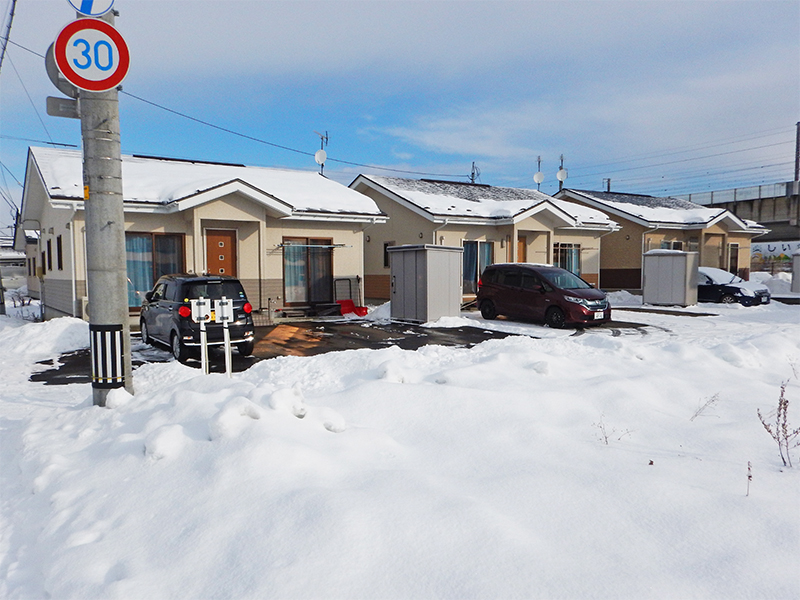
(307, 271)
(694, 244)
(477, 256)
(671, 245)
(386, 246)
(567, 256)
(44, 262)
(59, 254)
(49, 255)
(148, 257)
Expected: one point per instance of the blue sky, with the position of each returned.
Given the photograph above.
(661, 97)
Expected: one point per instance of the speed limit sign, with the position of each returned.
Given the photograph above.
(92, 55)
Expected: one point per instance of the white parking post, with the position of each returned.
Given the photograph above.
(201, 312)
(223, 311)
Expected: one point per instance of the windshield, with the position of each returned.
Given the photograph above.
(565, 280)
(216, 290)
(719, 276)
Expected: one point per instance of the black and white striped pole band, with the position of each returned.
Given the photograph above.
(107, 350)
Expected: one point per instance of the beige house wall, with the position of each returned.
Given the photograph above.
(621, 259)
(407, 227)
(55, 286)
(259, 252)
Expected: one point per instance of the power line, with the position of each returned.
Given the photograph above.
(262, 141)
(20, 139)
(13, 43)
(739, 168)
(683, 160)
(279, 146)
(36, 110)
(693, 147)
(12, 174)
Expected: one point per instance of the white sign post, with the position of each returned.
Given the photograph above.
(223, 312)
(201, 312)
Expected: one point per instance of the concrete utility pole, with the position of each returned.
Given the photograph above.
(106, 277)
(797, 154)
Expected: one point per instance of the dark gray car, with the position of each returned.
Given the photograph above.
(166, 315)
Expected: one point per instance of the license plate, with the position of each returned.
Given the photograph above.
(598, 315)
(214, 317)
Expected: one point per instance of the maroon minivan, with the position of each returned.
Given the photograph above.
(541, 293)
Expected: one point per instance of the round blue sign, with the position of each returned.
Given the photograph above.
(92, 8)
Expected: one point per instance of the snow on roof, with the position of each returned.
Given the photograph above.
(163, 181)
(456, 199)
(654, 209)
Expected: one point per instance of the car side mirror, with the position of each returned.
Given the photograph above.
(149, 296)
(538, 288)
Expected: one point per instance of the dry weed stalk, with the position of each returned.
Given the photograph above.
(781, 431)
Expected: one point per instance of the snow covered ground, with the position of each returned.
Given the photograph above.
(606, 464)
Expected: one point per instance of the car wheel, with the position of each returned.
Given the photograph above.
(246, 348)
(488, 310)
(179, 351)
(555, 318)
(728, 299)
(145, 334)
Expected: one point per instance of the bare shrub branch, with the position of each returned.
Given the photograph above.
(709, 402)
(781, 431)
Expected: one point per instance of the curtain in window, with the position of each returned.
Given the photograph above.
(485, 256)
(294, 271)
(139, 261)
(470, 268)
(568, 256)
(477, 256)
(168, 255)
(320, 277)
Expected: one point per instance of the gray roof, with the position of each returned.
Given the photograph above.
(466, 191)
(642, 200)
(453, 199)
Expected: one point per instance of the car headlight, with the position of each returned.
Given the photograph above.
(581, 301)
(746, 292)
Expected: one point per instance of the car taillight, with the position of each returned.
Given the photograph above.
(480, 282)
(185, 311)
(248, 308)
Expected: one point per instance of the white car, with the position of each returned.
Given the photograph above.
(716, 285)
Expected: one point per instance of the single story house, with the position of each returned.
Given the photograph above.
(294, 238)
(721, 238)
(492, 224)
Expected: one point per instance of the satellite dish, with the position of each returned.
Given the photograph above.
(321, 156)
(539, 177)
(562, 174)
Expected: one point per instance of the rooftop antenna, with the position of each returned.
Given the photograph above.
(561, 175)
(539, 177)
(476, 173)
(320, 155)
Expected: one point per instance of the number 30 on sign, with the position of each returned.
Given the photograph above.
(92, 55)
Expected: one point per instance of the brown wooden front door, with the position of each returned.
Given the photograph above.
(221, 252)
(522, 249)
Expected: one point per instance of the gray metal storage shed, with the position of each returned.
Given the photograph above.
(670, 277)
(425, 282)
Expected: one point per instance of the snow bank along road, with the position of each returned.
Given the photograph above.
(548, 465)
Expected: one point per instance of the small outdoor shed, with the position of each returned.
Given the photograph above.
(670, 277)
(425, 282)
